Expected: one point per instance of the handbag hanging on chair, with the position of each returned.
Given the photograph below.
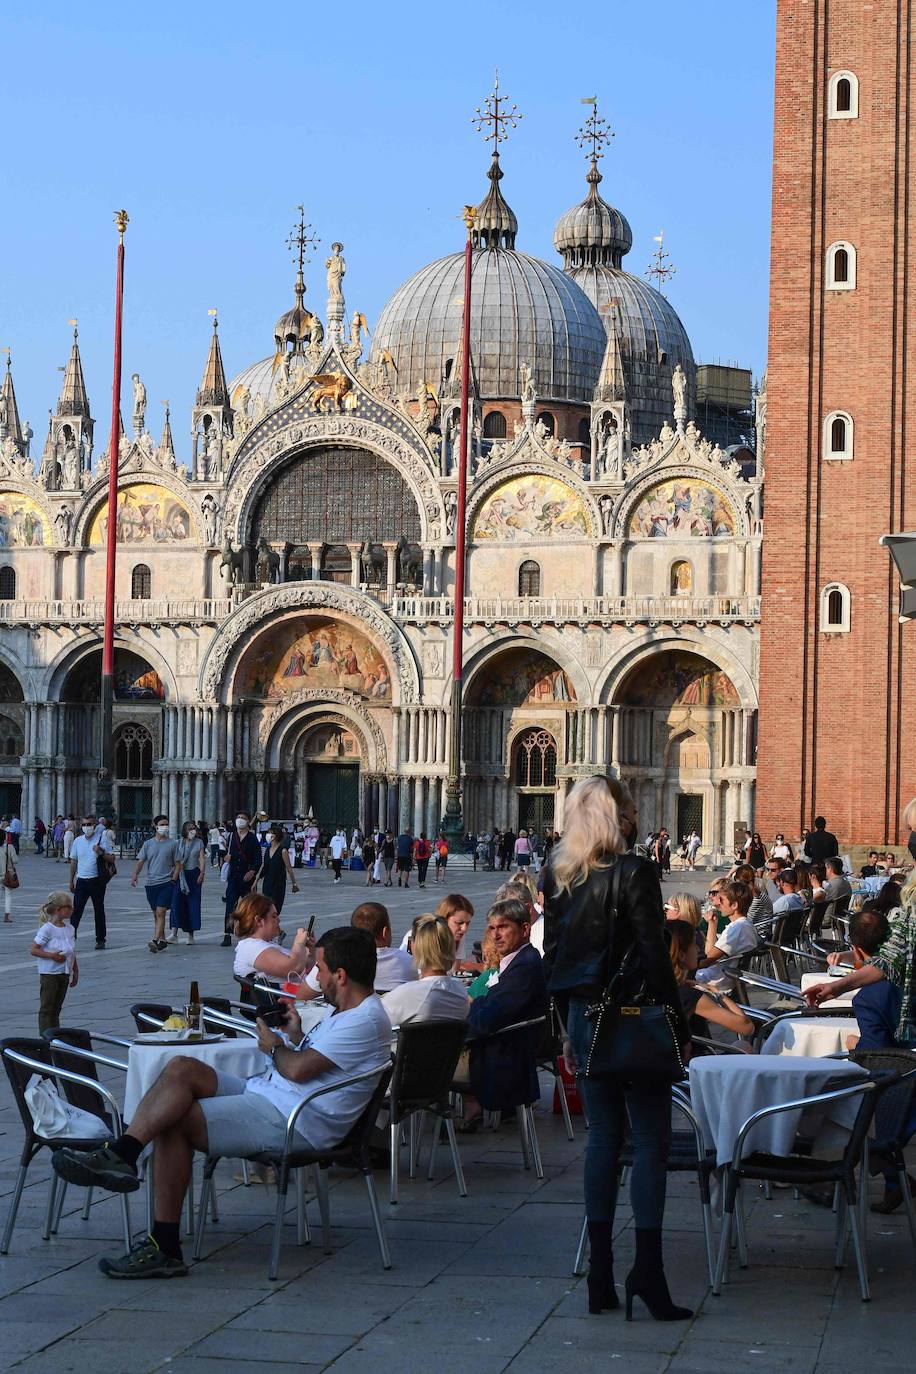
(632, 1040)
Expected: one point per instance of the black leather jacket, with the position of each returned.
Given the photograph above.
(583, 947)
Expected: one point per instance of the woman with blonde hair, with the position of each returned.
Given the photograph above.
(605, 927)
(683, 906)
(435, 994)
(895, 960)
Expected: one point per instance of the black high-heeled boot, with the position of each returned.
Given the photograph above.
(647, 1280)
(602, 1295)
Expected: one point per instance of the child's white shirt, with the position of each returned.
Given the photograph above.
(62, 940)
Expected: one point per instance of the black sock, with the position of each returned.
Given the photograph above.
(165, 1234)
(128, 1148)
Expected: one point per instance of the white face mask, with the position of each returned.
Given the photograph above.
(192, 834)
(270, 837)
(88, 829)
(241, 823)
(162, 829)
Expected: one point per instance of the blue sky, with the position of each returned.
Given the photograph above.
(209, 123)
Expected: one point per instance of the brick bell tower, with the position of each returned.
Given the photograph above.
(837, 670)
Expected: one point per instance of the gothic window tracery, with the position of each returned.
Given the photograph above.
(336, 495)
(536, 759)
(133, 750)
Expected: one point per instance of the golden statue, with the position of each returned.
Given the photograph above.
(330, 387)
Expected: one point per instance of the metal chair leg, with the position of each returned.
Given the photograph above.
(842, 1231)
(456, 1157)
(564, 1108)
(707, 1236)
(859, 1250)
(87, 1204)
(741, 1225)
(377, 1220)
(413, 1128)
(433, 1147)
(202, 1212)
(725, 1242)
(579, 1261)
(303, 1233)
(14, 1208)
(908, 1204)
(324, 1206)
(523, 1137)
(246, 1174)
(49, 1210)
(214, 1211)
(125, 1217)
(282, 1185)
(59, 1209)
(534, 1142)
(395, 1162)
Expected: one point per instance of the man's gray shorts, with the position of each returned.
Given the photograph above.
(240, 1123)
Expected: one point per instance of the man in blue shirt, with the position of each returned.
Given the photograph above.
(404, 854)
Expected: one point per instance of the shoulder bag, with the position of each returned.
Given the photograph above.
(635, 1040)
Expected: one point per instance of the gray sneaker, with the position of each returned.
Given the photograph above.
(145, 1261)
(98, 1168)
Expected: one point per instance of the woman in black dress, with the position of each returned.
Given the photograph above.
(275, 866)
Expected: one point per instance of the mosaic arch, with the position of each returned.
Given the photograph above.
(313, 652)
(147, 514)
(678, 678)
(135, 679)
(684, 508)
(533, 507)
(23, 524)
(521, 677)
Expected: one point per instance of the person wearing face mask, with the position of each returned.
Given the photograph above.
(87, 882)
(187, 891)
(276, 867)
(159, 856)
(244, 859)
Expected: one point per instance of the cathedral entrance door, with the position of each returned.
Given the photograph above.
(689, 815)
(135, 808)
(535, 811)
(333, 793)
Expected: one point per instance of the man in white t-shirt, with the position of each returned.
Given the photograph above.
(338, 850)
(193, 1107)
(739, 936)
(393, 966)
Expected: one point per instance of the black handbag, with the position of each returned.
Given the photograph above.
(637, 1040)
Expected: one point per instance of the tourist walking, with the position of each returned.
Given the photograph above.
(388, 854)
(243, 860)
(276, 867)
(57, 837)
(369, 856)
(54, 947)
(405, 856)
(441, 848)
(693, 843)
(522, 852)
(159, 856)
(422, 853)
(8, 876)
(338, 848)
(605, 939)
(14, 830)
(70, 834)
(188, 889)
(38, 835)
(88, 878)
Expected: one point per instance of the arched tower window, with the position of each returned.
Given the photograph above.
(841, 267)
(494, 425)
(7, 583)
(133, 751)
(835, 608)
(838, 435)
(529, 578)
(536, 760)
(548, 420)
(843, 96)
(681, 578)
(141, 583)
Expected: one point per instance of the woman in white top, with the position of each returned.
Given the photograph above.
(7, 869)
(435, 995)
(257, 926)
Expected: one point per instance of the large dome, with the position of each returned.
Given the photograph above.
(523, 310)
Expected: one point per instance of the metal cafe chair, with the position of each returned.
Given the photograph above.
(530, 1033)
(802, 1171)
(425, 1060)
(149, 1016)
(353, 1152)
(894, 1117)
(22, 1058)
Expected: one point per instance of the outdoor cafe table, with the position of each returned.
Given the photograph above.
(812, 1038)
(810, 980)
(727, 1089)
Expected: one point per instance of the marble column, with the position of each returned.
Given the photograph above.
(418, 812)
(382, 821)
(355, 570)
(230, 736)
(173, 799)
(391, 573)
(433, 818)
(315, 552)
(615, 738)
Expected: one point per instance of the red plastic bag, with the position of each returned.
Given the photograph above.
(569, 1087)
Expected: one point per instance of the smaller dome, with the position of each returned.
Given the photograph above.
(593, 231)
(291, 331)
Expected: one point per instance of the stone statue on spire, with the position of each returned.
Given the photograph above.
(139, 415)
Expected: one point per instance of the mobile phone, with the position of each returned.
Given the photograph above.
(311, 925)
(274, 1018)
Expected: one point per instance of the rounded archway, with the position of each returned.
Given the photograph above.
(686, 747)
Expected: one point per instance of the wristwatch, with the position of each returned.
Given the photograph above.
(273, 1052)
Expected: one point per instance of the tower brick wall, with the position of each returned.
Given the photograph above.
(837, 711)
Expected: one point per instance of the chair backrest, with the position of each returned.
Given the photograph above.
(356, 1143)
(893, 1114)
(75, 1093)
(19, 1075)
(789, 927)
(149, 1016)
(222, 1004)
(424, 1063)
(883, 1079)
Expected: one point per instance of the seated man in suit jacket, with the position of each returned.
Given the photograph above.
(502, 1069)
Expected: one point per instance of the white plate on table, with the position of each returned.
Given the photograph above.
(178, 1037)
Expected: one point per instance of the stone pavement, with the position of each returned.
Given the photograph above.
(478, 1284)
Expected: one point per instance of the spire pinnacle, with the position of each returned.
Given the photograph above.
(300, 241)
(496, 225)
(73, 397)
(10, 428)
(213, 390)
(166, 443)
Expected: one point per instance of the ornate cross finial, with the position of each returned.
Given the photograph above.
(73, 323)
(661, 268)
(595, 133)
(496, 118)
(301, 239)
(9, 357)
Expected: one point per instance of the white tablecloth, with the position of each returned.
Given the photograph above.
(727, 1089)
(146, 1062)
(810, 980)
(811, 1038)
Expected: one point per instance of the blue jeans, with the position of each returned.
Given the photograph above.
(608, 1103)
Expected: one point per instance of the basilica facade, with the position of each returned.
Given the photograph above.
(284, 588)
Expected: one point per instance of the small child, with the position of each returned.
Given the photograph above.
(54, 946)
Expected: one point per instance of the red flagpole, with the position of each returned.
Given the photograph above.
(453, 822)
(104, 801)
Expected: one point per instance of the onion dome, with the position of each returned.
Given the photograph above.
(593, 231)
(291, 332)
